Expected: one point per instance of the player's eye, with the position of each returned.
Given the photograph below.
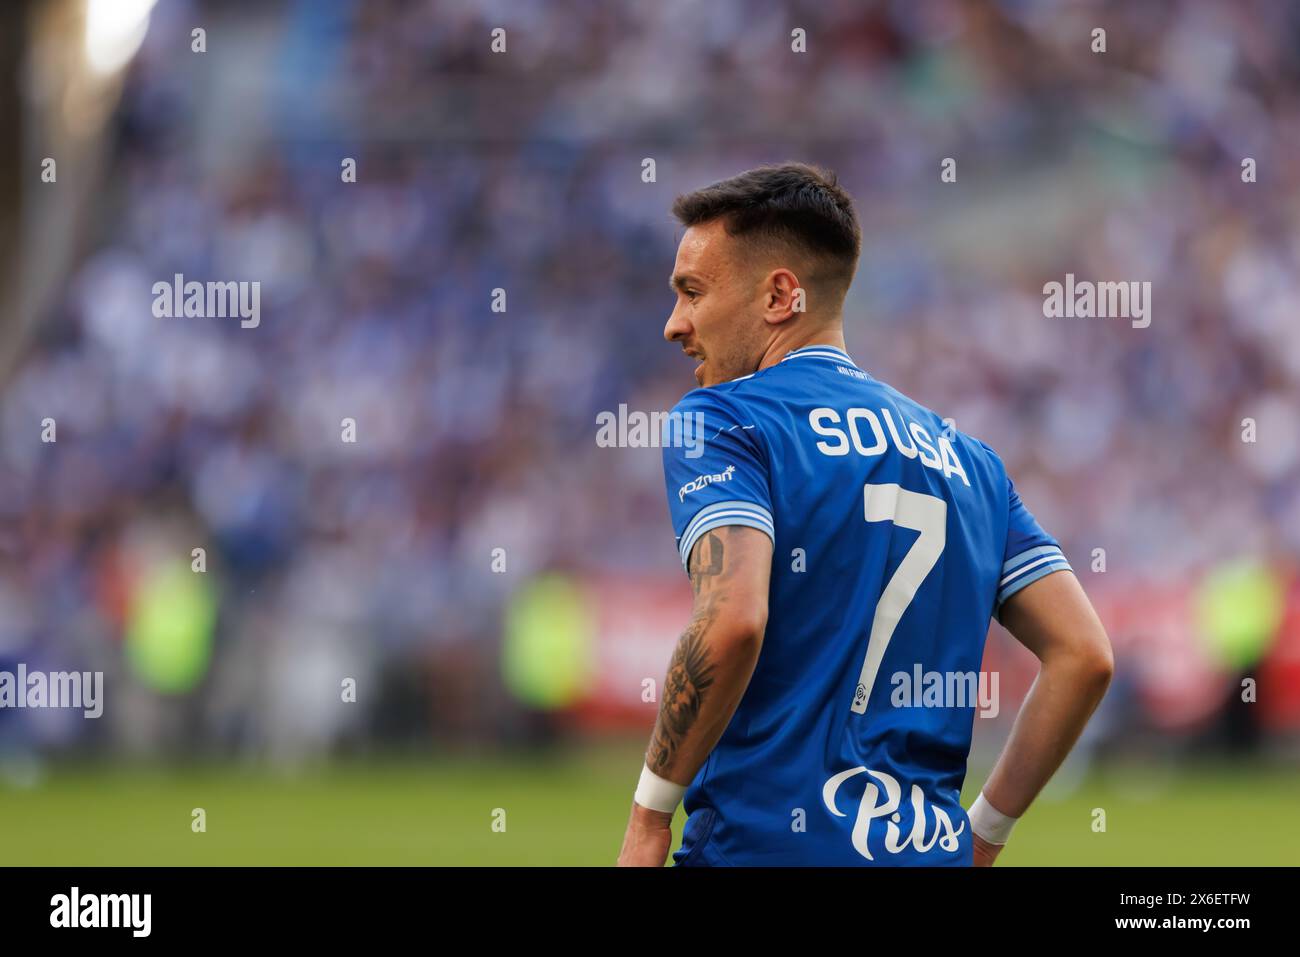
(691, 294)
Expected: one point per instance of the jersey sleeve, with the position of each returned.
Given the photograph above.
(715, 468)
(1030, 552)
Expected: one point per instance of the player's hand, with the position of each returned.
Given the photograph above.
(985, 853)
(649, 836)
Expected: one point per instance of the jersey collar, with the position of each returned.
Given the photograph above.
(820, 352)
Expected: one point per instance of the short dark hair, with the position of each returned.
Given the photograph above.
(791, 203)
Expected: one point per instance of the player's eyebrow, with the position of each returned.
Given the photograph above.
(681, 281)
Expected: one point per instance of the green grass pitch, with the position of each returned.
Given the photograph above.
(569, 809)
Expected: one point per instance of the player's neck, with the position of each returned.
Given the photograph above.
(782, 346)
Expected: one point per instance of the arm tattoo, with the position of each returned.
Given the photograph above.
(706, 562)
(689, 677)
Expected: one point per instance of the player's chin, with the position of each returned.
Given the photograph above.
(701, 374)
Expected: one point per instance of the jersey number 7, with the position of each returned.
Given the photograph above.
(927, 514)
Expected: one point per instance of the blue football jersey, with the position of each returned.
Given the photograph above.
(895, 539)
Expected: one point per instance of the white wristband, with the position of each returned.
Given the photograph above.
(656, 793)
(988, 822)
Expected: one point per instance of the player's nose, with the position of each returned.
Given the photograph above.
(677, 327)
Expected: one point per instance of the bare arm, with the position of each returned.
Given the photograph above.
(1054, 619)
(709, 672)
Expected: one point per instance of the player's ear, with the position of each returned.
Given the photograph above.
(780, 294)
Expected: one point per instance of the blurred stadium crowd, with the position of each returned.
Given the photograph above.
(523, 171)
